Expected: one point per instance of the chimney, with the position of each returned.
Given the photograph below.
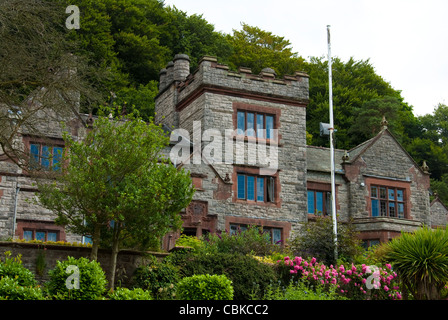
(169, 73)
(181, 67)
(162, 81)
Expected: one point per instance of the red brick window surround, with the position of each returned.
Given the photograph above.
(44, 153)
(319, 198)
(39, 230)
(388, 198)
(256, 122)
(252, 188)
(278, 231)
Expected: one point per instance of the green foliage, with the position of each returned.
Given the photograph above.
(421, 260)
(189, 241)
(159, 278)
(205, 287)
(298, 290)
(11, 289)
(257, 49)
(316, 240)
(129, 294)
(245, 272)
(13, 268)
(118, 173)
(92, 280)
(250, 241)
(355, 83)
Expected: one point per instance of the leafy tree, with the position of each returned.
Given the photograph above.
(42, 75)
(354, 84)
(257, 49)
(117, 186)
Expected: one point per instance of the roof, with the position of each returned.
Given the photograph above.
(318, 159)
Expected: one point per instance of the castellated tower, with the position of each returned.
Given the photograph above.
(219, 110)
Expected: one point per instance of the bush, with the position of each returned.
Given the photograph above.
(92, 280)
(298, 290)
(317, 241)
(421, 260)
(10, 289)
(205, 287)
(157, 277)
(13, 268)
(247, 274)
(353, 282)
(129, 294)
(189, 241)
(250, 241)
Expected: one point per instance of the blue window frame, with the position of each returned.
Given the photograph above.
(46, 157)
(319, 202)
(254, 124)
(387, 202)
(255, 188)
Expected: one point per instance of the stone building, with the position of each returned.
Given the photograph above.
(242, 136)
(378, 184)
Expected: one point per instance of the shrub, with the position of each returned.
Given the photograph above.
(353, 282)
(298, 290)
(246, 273)
(189, 241)
(205, 287)
(129, 294)
(317, 241)
(13, 268)
(157, 277)
(421, 260)
(250, 241)
(92, 280)
(10, 289)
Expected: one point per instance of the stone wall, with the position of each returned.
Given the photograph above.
(127, 261)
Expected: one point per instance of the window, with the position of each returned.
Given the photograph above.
(273, 234)
(254, 124)
(255, 188)
(41, 235)
(387, 201)
(369, 243)
(46, 157)
(319, 202)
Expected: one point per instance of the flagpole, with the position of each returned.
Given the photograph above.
(333, 187)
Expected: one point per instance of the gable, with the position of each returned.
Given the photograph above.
(384, 156)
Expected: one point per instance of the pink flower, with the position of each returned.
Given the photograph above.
(388, 266)
(305, 264)
(333, 281)
(349, 272)
(313, 260)
(341, 268)
(386, 288)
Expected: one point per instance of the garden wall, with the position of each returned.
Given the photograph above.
(127, 260)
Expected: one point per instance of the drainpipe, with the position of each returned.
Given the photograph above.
(15, 209)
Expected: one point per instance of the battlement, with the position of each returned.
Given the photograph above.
(213, 75)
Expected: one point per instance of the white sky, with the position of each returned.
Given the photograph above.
(405, 40)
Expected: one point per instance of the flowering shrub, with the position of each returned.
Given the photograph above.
(353, 282)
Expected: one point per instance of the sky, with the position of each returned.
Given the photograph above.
(406, 41)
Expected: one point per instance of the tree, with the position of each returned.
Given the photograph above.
(41, 77)
(117, 186)
(257, 49)
(355, 83)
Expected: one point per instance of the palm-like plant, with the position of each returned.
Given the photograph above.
(421, 260)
